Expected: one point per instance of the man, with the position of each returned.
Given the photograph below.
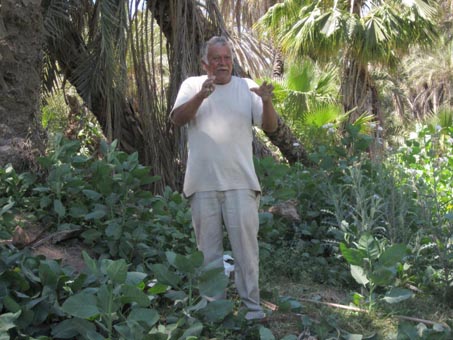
(220, 181)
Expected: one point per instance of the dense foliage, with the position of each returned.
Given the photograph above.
(377, 226)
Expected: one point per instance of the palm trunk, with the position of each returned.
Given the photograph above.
(288, 144)
(20, 82)
(359, 94)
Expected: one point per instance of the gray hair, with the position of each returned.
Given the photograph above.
(221, 40)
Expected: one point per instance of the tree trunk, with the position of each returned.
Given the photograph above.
(69, 50)
(278, 65)
(359, 95)
(21, 31)
(288, 144)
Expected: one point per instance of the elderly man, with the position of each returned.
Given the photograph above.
(220, 181)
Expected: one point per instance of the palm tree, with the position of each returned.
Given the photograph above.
(94, 44)
(430, 79)
(357, 35)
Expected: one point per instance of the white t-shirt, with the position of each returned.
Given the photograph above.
(220, 136)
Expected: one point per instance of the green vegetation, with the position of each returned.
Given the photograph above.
(373, 229)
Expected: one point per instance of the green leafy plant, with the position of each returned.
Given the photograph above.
(373, 264)
(14, 196)
(428, 157)
(31, 287)
(113, 304)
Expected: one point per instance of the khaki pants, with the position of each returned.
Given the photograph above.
(238, 211)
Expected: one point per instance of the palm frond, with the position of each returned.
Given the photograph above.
(323, 114)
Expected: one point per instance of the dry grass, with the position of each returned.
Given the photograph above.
(326, 307)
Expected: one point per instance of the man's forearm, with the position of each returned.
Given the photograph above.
(269, 120)
(184, 113)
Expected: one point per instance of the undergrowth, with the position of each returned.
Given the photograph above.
(378, 232)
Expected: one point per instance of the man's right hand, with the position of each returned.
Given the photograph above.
(208, 87)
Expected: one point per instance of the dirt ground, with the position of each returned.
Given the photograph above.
(62, 246)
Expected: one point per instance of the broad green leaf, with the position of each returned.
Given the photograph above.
(18, 281)
(78, 211)
(217, 310)
(135, 278)
(368, 243)
(116, 270)
(6, 207)
(176, 295)
(44, 202)
(266, 334)
(114, 230)
(91, 235)
(196, 258)
(213, 282)
(383, 276)
(82, 305)
(353, 256)
(71, 328)
(146, 315)
(11, 305)
(59, 208)
(48, 274)
(129, 330)
(92, 195)
(393, 255)
(164, 275)
(200, 305)
(107, 300)
(41, 189)
(90, 263)
(395, 295)
(131, 294)
(181, 263)
(7, 321)
(158, 288)
(95, 215)
(171, 257)
(359, 275)
(194, 331)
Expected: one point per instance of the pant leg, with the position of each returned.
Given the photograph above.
(240, 215)
(207, 223)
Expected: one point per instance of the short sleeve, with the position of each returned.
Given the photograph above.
(186, 91)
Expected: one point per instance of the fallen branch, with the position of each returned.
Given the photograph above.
(56, 237)
(426, 322)
(336, 305)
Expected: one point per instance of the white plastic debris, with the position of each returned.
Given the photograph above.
(228, 264)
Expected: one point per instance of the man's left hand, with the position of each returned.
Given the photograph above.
(265, 91)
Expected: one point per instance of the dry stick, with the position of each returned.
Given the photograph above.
(355, 309)
(427, 322)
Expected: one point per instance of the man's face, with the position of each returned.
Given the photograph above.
(220, 63)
